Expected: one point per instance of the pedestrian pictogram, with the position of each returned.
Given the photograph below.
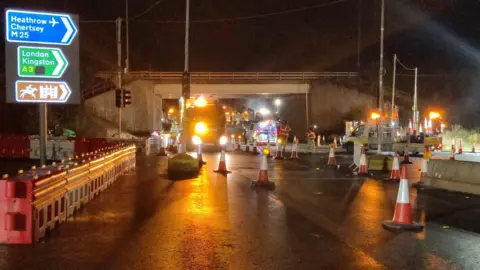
(42, 92)
(41, 62)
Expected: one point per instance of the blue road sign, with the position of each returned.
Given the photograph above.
(39, 27)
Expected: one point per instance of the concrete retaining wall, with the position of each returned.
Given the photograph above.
(453, 175)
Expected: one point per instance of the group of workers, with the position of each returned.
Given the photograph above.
(284, 132)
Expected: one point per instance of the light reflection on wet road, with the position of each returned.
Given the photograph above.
(314, 220)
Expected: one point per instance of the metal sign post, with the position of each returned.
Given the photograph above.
(119, 70)
(42, 62)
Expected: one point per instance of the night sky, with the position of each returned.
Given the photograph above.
(321, 38)
(438, 36)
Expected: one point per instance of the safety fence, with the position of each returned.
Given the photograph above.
(37, 201)
(28, 147)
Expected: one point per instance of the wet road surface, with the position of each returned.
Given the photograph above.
(315, 219)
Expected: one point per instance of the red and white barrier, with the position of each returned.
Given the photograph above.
(39, 200)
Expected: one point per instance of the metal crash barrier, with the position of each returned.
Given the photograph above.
(37, 201)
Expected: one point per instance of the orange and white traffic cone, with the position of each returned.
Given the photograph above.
(278, 152)
(263, 180)
(460, 149)
(402, 217)
(473, 146)
(395, 175)
(454, 148)
(222, 164)
(255, 150)
(331, 157)
(319, 140)
(363, 168)
(247, 147)
(162, 151)
(335, 142)
(294, 148)
(410, 126)
(406, 158)
(452, 154)
(239, 147)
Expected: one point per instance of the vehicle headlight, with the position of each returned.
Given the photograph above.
(196, 140)
(223, 140)
(200, 128)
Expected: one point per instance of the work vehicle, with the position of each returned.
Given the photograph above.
(393, 139)
(205, 120)
(264, 132)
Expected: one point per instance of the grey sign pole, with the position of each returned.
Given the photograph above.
(119, 74)
(43, 133)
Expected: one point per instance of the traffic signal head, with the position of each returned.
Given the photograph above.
(127, 98)
(118, 98)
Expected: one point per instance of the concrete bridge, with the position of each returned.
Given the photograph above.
(335, 91)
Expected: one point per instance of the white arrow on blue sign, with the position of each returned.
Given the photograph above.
(39, 27)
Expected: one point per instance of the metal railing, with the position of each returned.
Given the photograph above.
(228, 76)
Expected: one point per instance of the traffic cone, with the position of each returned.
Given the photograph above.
(473, 146)
(410, 126)
(395, 176)
(323, 140)
(278, 153)
(319, 140)
(460, 150)
(239, 148)
(294, 148)
(452, 154)
(222, 164)
(331, 158)
(402, 217)
(162, 151)
(263, 174)
(363, 168)
(406, 158)
(255, 150)
(247, 147)
(335, 142)
(454, 148)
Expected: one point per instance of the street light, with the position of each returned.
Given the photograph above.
(277, 103)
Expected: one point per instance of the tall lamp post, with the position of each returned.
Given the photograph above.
(380, 77)
(185, 79)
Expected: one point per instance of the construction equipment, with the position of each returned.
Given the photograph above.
(378, 131)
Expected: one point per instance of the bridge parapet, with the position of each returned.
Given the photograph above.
(228, 76)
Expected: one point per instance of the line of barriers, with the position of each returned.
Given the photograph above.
(37, 201)
(28, 147)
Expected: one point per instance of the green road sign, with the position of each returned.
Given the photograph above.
(41, 62)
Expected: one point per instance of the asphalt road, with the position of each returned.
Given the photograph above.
(315, 219)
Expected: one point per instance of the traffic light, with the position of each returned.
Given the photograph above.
(118, 98)
(127, 97)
